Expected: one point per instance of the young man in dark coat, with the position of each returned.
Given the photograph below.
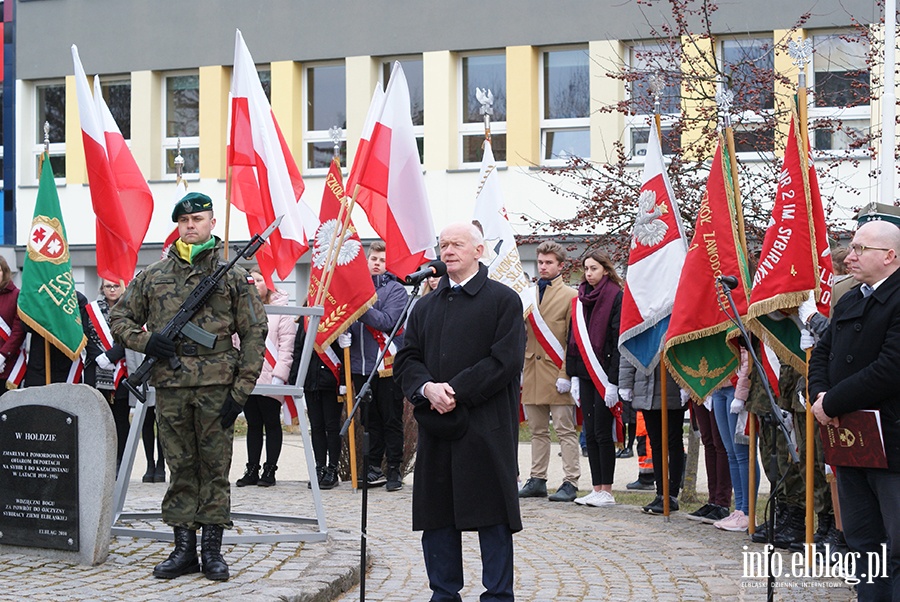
(854, 367)
(461, 367)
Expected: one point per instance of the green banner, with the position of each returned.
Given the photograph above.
(47, 301)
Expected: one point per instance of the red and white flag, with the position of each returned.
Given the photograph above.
(391, 184)
(119, 193)
(265, 181)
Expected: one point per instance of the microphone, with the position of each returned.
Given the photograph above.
(729, 282)
(435, 269)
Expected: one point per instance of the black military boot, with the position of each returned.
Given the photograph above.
(794, 528)
(268, 476)
(214, 566)
(826, 523)
(251, 476)
(183, 559)
(759, 535)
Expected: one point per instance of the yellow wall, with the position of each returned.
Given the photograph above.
(215, 82)
(523, 131)
(362, 75)
(76, 171)
(287, 105)
(785, 92)
(441, 110)
(692, 100)
(606, 128)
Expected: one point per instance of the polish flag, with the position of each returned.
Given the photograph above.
(265, 181)
(388, 174)
(119, 193)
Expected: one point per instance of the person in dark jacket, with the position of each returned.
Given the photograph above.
(383, 418)
(854, 367)
(13, 329)
(460, 368)
(600, 297)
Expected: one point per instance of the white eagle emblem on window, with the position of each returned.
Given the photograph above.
(649, 230)
(348, 251)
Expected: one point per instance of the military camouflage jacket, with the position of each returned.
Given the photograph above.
(156, 294)
(758, 400)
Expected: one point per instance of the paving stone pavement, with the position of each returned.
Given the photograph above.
(565, 553)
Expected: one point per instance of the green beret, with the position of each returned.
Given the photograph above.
(872, 212)
(192, 202)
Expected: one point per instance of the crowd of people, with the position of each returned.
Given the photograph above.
(557, 364)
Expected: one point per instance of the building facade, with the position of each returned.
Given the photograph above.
(551, 66)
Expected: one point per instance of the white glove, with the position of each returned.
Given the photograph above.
(612, 396)
(707, 403)
(799, 394)
(563, 385)
(807, 341)
(685, 396)
(807, 308)
(103, 362)
(342, 390)
(2, 363)
(344, 340)
(575, 390)
(277, 381)
(737, 406)
(626, 394)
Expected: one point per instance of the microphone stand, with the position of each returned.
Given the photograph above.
(775, 423)
(364, 396)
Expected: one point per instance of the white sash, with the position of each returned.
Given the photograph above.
(545, 336)
(579, 329)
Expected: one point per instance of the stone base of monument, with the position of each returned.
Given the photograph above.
(57, 471)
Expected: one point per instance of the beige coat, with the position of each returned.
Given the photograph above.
(539, 378)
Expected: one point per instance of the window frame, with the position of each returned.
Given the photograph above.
(170, 143)
(319, 136)
(56, 149)
(475, 129)
(561, 125)
(386, 64)
(751, 118)
(862, 112)
(643, 121)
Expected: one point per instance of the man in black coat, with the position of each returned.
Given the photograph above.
(461, 367)
(855, 367)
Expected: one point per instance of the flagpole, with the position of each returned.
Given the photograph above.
(801, 54)
(40, 168)
(343, 217)
(228, 176)
(351, 432)
(888, 104)
(657, 85)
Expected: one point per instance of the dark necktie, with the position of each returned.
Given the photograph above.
(542, 283)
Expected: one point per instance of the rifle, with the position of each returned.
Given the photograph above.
(180, 322)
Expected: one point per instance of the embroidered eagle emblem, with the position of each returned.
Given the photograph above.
(348, 251)
(649, 229)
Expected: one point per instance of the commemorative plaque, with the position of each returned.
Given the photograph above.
(39, 478)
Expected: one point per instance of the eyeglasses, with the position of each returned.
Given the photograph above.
(111, 287)
(860, 249)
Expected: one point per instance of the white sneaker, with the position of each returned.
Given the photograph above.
(602, 498)
(584, 500)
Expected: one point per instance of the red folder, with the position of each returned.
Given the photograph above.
(856, 442)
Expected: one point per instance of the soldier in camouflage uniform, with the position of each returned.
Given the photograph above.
(196, 404)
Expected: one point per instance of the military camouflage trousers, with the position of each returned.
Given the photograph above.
(198, 453)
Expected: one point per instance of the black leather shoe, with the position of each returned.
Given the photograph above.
(329, 478)
(625, 452)
(534, 487)
(214, 566)
(643, 483)
(267, 479)
(567, 492)
(159, 475)
(656, 506)
(183, 559)
(149, 475)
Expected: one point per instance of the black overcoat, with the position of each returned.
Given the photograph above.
(857, 362)
(473, 339)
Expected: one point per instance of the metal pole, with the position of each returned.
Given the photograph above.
(888, 104)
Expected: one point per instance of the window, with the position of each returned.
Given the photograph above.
(50, 110)
(566, 104)
(182, 119)
(841, 93)
(414, 71)
(644, 62)
(326, 107)
(265, 78)
(117, 95)
(749, 68)
(488, 72)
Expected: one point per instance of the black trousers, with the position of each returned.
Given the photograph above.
(263, 414)
(383, 420)
(325, 424)
(653, 420)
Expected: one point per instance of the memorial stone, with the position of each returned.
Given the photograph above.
(57, 470)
